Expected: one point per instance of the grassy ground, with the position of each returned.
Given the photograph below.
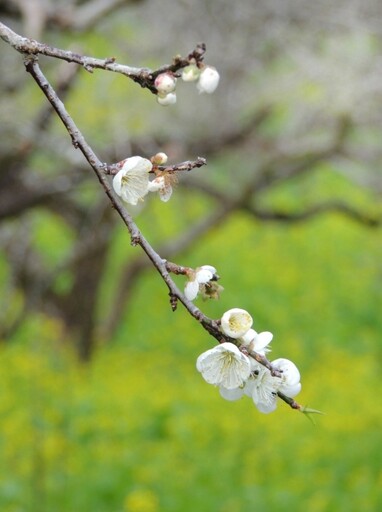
(139, 430)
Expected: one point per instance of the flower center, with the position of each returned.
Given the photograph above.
(236, 322)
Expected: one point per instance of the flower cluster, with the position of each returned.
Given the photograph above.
(165, 84)
(207, 80)
(230, 366)
(132, 182)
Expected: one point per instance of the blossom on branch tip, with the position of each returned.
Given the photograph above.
(165, 83)
(131, 182)
(208, 80)
(224, 365)
(197, 278)
(236, 322)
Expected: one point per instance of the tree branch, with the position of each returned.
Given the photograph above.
(144, 76)
(98, 167)
(31, 48)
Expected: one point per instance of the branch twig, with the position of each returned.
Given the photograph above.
(144, 76)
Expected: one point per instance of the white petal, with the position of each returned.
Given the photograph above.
(249, 386)
(264, 390)
(236, 322)
(224, 365)
(262, 340)
(204, 275)
(156, 184)
(267, 407)
(231, 394)
(248, 337)
(137, 164)
(165, 193)
(210, 268)
(291, 391)
(191, 289)
(290, 373)
(255, 366)
(135, 189)
(117, 182)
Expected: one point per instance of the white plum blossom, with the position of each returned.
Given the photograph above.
(236, 322)
(257, 341)
(165, 83)
(162, 185)
(131, 182)
(166, 99)
(200, 276)
(208, 80)
(224, 365)
(263, 387)
(190, 73)
(237, 372)
(290, 376)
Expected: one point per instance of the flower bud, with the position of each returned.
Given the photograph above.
(190, 73)
(165, 83)
(159, 159)
(208, 80)
(236, 322)
(166, 99)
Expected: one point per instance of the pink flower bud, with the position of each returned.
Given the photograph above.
(165, 83)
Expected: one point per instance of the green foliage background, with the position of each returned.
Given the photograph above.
(139, 430)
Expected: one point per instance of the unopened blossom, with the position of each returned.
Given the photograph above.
(224, 365)
(131, 182)
(200, 276)
(190, 73)
(165, 83)
(236, 322)
(166, 99)
(163, 185)
(159, 158)
(208, 80)
(257, 341)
